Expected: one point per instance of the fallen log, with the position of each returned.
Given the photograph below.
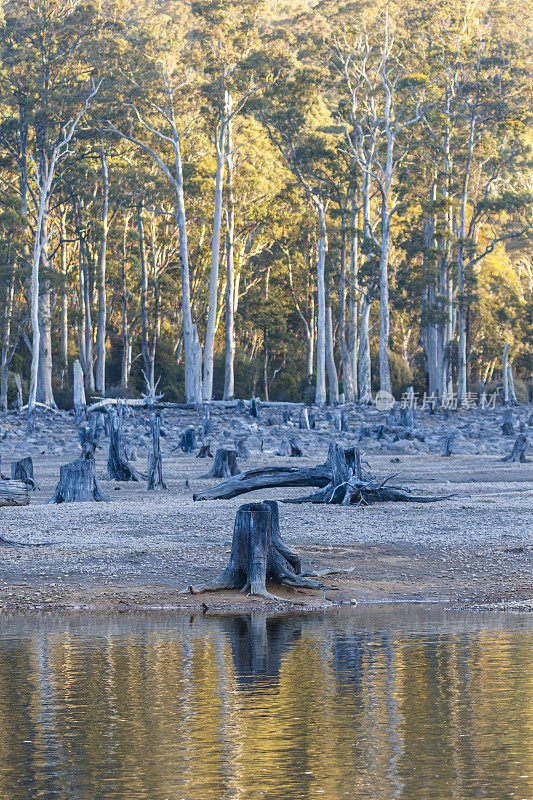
(341, 480)
(14, 493)
(258, 554)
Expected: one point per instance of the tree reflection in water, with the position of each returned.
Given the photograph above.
(405, 704)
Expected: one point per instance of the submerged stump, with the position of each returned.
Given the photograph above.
(258, 555)
(78, 484)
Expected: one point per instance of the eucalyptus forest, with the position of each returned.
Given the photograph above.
(289, 200)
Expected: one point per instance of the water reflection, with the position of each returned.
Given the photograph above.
(415, 704)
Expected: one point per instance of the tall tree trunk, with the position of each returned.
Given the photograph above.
(365, 364)
(352, 299)
(144, 293)
(461, 304)
(152, 350)
(333, 380)
(101, 280)
(347, 363)
(126, 344)
(63, 310)
(6, 339)
(320, 396)
(229, 344)
(384, 310)
(209, 346)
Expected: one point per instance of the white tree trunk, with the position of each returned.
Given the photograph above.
(229, 344)
(365, 364)
(209, 345)
(333, 380)
(505, 373)
(101, 280)
(320, 396)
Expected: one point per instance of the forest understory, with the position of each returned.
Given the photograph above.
(141, 549)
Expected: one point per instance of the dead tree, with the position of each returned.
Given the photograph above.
(13, 493)
(78, 483)
(290, 448)
(341, 420)
(518, 453)
(205, 451)
(79, 394)
(507, 423)
(155, 461)
(23, 471)
(286, 416)
(225, 464)
(118, 466)
(258, 555)
(342, 478)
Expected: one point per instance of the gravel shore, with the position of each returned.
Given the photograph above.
(139, 550)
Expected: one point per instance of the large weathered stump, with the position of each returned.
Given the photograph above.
(518, 453)
(258, 554)
(23, 471)
(225, 464)
(78, 484)
(13, 493)
(155, 461)
(118, 466)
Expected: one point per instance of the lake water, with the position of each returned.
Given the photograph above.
(371, 704)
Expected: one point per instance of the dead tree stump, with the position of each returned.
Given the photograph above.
(18, 386)
(79, 394)
(448, 445)
(303, 419)
(188, 441)
(206, 421)
(155, 461)
(225, 464)
(407, 416)
(23, 471)
(518, 453)
(13, 493)
(205, 451)
(242, 450)
(254, 408)
(118, 466)
(286, 416)
(507, 423)
(258, 554)
(78, 484)
(88, 440)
